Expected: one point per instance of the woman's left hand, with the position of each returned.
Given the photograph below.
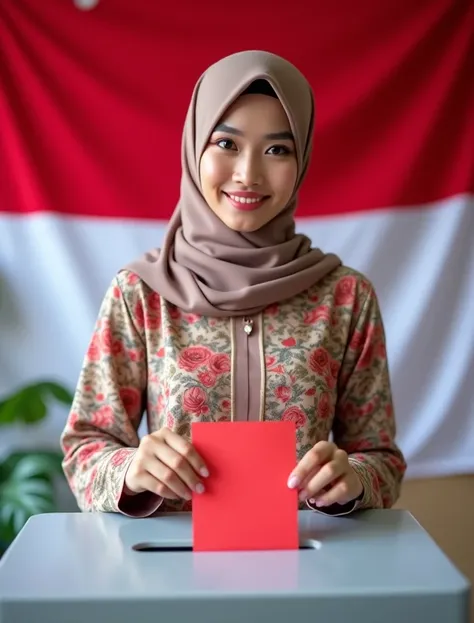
(324, 476)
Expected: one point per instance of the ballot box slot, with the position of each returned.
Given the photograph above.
(308, 544)
(162, 547)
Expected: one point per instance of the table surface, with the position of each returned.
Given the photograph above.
(91, 555)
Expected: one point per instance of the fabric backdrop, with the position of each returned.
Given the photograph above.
(91, 110)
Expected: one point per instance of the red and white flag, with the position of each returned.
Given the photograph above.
(92, 105)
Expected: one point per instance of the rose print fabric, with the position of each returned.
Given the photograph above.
(325, 370)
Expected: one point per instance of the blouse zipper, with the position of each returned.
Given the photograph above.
(248, 328)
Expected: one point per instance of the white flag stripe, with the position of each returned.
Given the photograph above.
(54, 271)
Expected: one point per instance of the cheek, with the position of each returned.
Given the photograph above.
(213, 171)
(284, 179)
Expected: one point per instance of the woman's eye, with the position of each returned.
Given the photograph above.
(225, 143)
(278, 150)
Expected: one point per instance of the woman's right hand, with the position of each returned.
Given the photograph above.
(167, 465)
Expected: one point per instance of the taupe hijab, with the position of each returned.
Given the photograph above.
(204, 266)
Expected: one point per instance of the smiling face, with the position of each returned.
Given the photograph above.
(248, 169)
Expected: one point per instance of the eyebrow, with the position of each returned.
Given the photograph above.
(274, 136)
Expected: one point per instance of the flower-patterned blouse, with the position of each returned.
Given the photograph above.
(319, 358)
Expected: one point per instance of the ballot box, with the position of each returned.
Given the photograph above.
(377, 566)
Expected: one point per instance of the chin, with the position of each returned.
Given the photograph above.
(245, 225)
(244, 222)
(248, 222)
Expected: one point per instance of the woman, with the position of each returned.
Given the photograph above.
(237, 317)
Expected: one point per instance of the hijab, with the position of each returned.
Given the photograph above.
(205, 267)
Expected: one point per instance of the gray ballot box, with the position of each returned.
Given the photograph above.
(377, 566)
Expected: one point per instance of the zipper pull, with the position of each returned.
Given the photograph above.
(248, 326)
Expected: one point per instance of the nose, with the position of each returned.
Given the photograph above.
(248, 170)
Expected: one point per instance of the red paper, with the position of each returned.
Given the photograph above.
(247, 504)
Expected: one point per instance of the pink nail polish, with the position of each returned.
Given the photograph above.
(200, 488)
(293, 482)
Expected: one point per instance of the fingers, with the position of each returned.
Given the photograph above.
(166, 479)
(176, 472)
(167, 465)
(310, 463)
(150, 483)
(340, 493)
(186, 450)
(325, 475)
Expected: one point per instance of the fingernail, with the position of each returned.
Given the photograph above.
(320, 503)
(293, 482)
(312, 501)
(204, 472)
(200, 488)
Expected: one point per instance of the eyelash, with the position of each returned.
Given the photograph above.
(285, 150)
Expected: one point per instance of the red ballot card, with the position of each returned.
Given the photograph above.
(247, 504)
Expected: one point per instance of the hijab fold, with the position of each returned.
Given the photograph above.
(204, 267)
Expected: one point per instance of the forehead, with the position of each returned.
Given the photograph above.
(256, 109)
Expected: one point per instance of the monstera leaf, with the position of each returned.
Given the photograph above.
(27, 477)
(26, 488)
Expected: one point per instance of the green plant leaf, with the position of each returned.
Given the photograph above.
(30, 403)
(31, 466)
(60, 393)
(9, 409)
(22, 496)
(51, 460)
(27, 477)
(33, 406)
(27, 406)
(39, 463)
(34, 487)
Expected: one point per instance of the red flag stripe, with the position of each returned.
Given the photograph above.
(92, 103)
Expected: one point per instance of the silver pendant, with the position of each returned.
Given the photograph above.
(248, 326)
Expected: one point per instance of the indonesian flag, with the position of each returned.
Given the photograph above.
(92, 104)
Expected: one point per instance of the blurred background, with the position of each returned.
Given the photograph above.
(93, 95)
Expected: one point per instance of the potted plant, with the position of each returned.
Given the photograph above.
(27, 476)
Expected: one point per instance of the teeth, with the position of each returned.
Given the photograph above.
(244, 199)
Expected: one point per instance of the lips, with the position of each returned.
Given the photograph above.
(245, 201)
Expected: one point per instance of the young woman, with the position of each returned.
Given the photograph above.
(237, 317)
